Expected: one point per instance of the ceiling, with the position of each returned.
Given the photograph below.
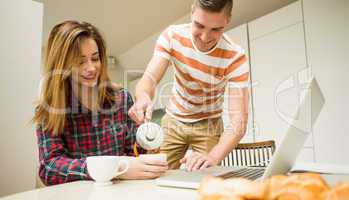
(124, 23)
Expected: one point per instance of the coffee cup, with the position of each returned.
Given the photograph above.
(102, 169)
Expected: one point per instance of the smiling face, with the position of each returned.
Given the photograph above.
(89, 64)
(207, 27)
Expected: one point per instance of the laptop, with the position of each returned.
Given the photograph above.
(282, 160)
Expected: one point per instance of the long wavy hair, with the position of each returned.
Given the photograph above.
(61, 55)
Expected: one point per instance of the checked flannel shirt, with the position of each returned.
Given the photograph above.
(63, 157)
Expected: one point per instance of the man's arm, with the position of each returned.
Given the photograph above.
(151, 77)
(238, 115)
(145, 89)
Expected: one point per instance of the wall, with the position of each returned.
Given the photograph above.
(139, 55)
(137, 58)
(20, 51)
(116, 74)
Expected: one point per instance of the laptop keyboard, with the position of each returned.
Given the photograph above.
(249, 173)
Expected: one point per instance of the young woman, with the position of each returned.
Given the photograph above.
(80, 112)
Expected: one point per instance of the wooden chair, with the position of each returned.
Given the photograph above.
(250, 154)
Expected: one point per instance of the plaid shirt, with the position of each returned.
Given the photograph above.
(63, 157)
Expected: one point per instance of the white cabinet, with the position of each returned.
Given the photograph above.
(20, 52)
(275, 21)
(278, 54)
(327, 31)
(239, 35)
(282, 46)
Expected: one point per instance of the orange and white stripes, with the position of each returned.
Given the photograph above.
(200, 77)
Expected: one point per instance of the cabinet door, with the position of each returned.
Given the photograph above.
(327, 31)
(20, 51)
(239, 36)
(277, 60)
(275, 21)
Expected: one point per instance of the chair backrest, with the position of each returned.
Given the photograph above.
(256, 154)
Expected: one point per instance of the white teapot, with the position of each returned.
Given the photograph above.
(149, 136)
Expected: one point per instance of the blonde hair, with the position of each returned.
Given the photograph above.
(62, 53)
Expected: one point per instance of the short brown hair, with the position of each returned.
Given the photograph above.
(215, 6)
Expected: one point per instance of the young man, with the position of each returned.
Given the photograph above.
(206, 64)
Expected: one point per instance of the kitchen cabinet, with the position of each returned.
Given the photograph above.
(327, 41)
(278, 58)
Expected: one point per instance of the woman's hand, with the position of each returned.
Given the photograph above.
(144, 168)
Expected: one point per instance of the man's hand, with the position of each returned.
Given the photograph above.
(144, 168)
(142, 110)
(196, 161)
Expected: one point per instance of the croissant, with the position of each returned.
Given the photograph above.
(340, 192)
(213, 188)
(233, 189)
(298, 186)
(305, 186)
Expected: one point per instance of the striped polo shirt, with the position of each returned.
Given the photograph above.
(200, 78)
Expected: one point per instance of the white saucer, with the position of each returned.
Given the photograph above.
(99, 184)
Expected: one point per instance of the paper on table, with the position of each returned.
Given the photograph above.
(322, 168)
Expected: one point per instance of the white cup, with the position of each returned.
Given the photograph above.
(104, 168)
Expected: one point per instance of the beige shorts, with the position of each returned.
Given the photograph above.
(201, 136)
